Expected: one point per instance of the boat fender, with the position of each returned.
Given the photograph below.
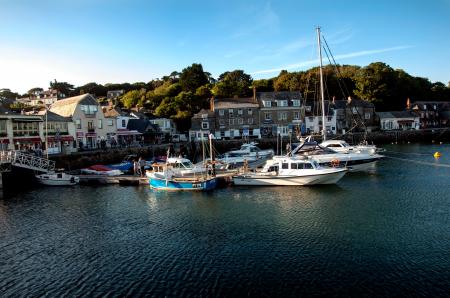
(335, 163)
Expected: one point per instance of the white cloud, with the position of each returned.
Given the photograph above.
(337, 57)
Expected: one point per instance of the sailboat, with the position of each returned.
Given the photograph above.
(166, 177)
(336, 152)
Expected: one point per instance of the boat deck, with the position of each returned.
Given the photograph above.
(135, 180)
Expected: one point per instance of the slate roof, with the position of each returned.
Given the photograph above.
(210, 113)
(342, 104)
(142, 125)
(280, 95)
(235, 103)
(396, 114)
(66, 107)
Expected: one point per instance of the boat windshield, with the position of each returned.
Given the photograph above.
(187, 164)
(315, 164)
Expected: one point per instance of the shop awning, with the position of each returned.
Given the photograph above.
(28, 140)
(128, 133)
(60, 139)
(4, 141)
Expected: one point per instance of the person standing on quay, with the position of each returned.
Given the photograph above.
(142, 166)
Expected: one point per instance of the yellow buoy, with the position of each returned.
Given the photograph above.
(437, 154)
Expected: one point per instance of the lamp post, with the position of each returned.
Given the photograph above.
(46, 130)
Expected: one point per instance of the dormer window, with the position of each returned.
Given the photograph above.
(204, 116)
(267, 103)
(89, 109)
(282, 103)
(295, 102)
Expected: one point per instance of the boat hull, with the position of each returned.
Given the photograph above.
(58, 182)
(279, 180)
(181, 185)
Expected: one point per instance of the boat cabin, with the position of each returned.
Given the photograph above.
(288, 165)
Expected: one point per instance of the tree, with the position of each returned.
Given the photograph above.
(235, 83)
(92, 88)
(193, 77)
(7, 93)
(132, 98)
(35, 90)
(264, 85)
(63, 87)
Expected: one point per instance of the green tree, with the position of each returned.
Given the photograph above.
(234, 83)
(7, 93)
(63, 87)
(193, 77)
(35, 90)
(132, 98)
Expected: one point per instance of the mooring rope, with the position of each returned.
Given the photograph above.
(421, 162)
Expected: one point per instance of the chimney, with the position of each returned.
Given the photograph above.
(408, 103)
(211, 104)
(254, 94)
(349, 100)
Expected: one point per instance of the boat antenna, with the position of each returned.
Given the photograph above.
(324, 131)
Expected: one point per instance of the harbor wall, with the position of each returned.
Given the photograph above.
(193, 150)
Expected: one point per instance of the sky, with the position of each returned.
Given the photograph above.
(116, 41)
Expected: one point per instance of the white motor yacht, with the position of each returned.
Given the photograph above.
(285, 170)
(57, 179)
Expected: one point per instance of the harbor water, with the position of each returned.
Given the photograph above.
(383, 233)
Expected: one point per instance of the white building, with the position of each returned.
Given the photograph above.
(402, 120)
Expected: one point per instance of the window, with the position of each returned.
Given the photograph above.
(205, 125)
(367, 116)
(296, 115)
(240, 112)
(240, 121)
(204, 116)
(308, 108)
(250, 111)
(100, 123)
(296, 102)
(110, 122)
(354, 110)
(267, 103)
(221, 112)
(268, 116)
(221, 122)
(294, 166)
(311, 118)
(282, 116)
(124, 123)
(329, 119)
(25, 129)
(230, 113)
(90, 125)
(285, 165)
(231, 121)
(283, 130)
(308, 166)
(78, 123)
(282, 103)
(250, 120)
(89, 109)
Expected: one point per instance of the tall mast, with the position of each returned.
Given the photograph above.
(324, 129)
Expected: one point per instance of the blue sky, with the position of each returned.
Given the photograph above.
(129, 41)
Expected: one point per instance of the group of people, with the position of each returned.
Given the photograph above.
(139, 167)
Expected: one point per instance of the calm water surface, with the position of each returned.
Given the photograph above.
(385, 233)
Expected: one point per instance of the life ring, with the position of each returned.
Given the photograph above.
(334, 163)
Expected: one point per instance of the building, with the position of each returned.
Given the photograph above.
(355, 115)
(202, 124)
(166, 126)
(398, 120)
(47, 97)
(281, 112)
(112, 94)
(432, 114)
(91, 126)
(313, 118)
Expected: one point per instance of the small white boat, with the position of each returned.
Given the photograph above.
(342, 146)
(291, 171)
(57, 179)
(249, 154)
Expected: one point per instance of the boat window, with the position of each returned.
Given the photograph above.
(294, 166)
(285, 165)
(59, 175)
(316, 165)
(187, 165)
(273, 169)
(308, 166)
